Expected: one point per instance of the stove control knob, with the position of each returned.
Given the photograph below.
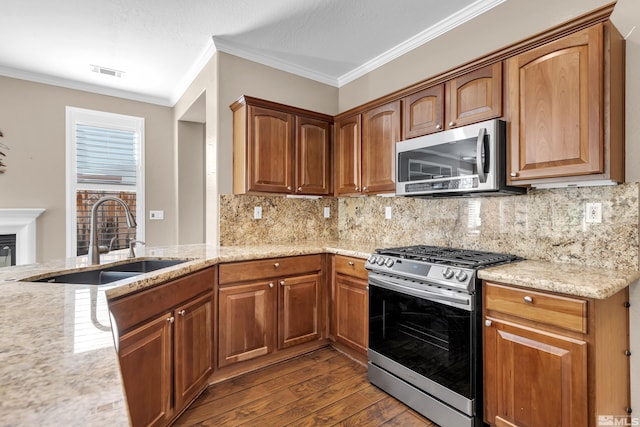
(381, 260)
(447, 273)
(461, 276)
(373, 259)
(389, 262)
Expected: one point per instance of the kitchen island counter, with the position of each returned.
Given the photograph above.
(58, 362)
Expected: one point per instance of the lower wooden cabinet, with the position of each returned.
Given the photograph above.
(553, 360)
(268, 305)
(165, 346)
(351, 303)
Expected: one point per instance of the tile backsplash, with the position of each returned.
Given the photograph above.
(544, 224)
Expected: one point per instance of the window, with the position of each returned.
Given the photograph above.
(105, 153)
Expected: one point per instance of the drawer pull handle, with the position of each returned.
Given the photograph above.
(276, 265)
(351, 263)
(488, 322)
(528, 299)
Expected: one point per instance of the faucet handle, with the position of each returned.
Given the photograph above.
(132, 245)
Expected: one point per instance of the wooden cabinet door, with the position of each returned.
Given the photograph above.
(474, 97)
(145, 362)
(246, 321)
(269, 151)
(556, 108)
(348, 156)
(313, 156)
(352, 312)
(380, 132)
(423, 112)
(298, 303)
(193, 348)
(534, 378)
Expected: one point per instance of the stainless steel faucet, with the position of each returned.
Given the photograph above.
(94, 248)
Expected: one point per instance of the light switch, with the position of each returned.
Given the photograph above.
(156, 215)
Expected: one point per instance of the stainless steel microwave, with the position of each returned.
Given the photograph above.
(465, 161)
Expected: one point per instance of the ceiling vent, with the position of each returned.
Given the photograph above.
(106, 71)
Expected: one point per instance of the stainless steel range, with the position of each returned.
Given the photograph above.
(425, 343)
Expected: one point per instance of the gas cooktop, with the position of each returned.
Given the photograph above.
(449, 256)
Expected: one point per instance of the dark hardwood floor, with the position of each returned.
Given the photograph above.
(324, 387)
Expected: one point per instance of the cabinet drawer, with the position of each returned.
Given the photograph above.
(554, 310)
(133, 309)
(266, 268)
(351, 266)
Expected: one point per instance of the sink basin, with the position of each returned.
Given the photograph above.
(110, 274)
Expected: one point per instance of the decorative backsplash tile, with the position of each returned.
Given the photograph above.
(546, 225)
(283, 219)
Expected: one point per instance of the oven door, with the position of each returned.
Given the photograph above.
(420, 333)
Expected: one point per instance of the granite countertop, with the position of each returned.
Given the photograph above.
(58, 363)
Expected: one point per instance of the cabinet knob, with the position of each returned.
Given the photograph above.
(488, 322)
(181, 312)
(271, 285)
(281, 282)
(357, 188)
(514, 174)
(299, 188)
(452, 124)
(289, 188)
(171, 319)
(276, 265)
(438, 126)
(351, 263)
(528, 299)
(365, 189)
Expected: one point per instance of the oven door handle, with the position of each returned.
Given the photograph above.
(464, 303)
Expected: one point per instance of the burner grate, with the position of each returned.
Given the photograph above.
(449, 256)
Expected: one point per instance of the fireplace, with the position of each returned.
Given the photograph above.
(7, 250)
(20, 223)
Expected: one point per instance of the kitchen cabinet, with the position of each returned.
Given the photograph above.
(472, 97)
(280, 149)
(566, 109)
(268, 305)
(165, 347)
(350, 314)
(365, 151)
(553, 359)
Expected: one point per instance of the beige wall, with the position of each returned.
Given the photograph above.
(32, 118)
(223, 80)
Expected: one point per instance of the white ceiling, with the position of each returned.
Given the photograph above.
(161, 45)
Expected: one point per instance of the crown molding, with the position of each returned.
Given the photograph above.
(86, 87)
(193, 72)
(251, 55)
(460, 17)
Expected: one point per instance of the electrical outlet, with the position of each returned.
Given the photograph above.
(257, 212)
(327, 212)
(387, 212)
(593, 213)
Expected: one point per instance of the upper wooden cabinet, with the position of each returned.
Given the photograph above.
(469, 98)
(280, 149)
(566, 105)
(365, 151)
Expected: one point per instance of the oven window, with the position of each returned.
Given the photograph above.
(431, 339)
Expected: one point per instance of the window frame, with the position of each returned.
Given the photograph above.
(106, 120)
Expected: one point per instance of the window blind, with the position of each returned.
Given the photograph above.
(105, 156)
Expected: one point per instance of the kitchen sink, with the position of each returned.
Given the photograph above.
(110, 274)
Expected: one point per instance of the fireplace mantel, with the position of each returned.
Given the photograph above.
(22, 223)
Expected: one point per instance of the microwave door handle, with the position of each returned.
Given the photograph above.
(482, 177)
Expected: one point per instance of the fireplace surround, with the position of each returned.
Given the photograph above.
(22, 223)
